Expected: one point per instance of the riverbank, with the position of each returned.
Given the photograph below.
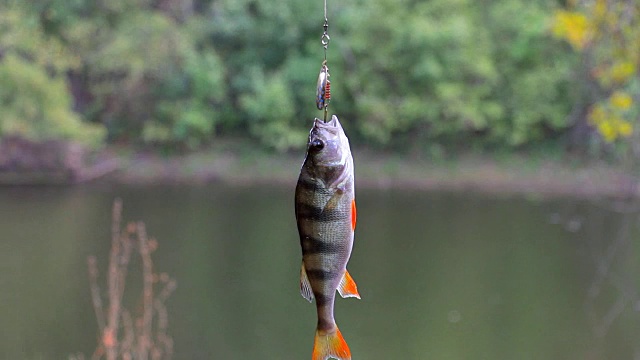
(517, 174)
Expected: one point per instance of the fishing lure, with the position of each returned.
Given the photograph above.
(323, 88)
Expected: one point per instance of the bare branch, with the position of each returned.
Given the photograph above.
(92, 264)
(137, 339)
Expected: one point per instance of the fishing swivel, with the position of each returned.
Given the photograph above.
(324, 39)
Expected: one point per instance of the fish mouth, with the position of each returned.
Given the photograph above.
(328, 145)
(334, 123)
(325, 130)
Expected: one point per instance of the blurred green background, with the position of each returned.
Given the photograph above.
(214, 99)
(457, 74)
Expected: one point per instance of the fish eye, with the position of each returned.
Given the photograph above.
(317, 144)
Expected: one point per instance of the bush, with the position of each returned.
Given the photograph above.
(444, 68)
(35, 101)
(445, 71)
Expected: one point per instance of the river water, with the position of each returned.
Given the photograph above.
(442, 275)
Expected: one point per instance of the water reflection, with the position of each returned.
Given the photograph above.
(442, 276)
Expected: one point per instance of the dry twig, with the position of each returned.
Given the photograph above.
(121, 335)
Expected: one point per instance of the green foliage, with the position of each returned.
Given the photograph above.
(455, 68)
(270, 110)
(34, 99)
(270, 73)
(37, 107)
(535, 73)
(149, 78)
(21, 34)
(437, 71)
(432, 69)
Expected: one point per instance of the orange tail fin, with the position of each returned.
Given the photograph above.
(330, 345)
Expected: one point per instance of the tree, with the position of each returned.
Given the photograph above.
(147, 77)
(443, 70)
(607, 34)
(34, 95)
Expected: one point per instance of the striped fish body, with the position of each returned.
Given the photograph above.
(326, 216)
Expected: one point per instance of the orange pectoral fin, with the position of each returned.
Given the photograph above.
(330, 345)
(353, 214)
(348, 287)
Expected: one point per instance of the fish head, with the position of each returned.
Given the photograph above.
(328, 145)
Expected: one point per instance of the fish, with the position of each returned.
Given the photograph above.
(325, 210)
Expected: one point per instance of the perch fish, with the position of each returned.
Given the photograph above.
(326, 217)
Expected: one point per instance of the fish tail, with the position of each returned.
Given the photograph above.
(330, 345)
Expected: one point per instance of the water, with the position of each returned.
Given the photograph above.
(442, 275)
